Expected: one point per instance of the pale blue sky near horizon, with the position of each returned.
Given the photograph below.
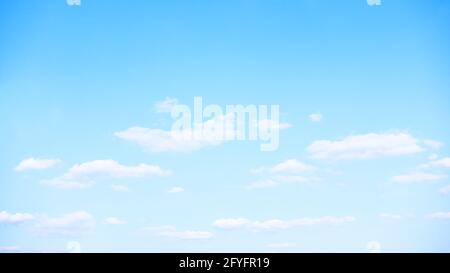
(71, 77)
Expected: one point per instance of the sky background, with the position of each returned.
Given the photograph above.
(375, 76)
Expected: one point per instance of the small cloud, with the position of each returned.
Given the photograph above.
(433, 157)
(439, 163)
(280, 245)
(114, 221)
(176, 190)
(374, 2)
(120, 188)
(171, 232)
(367, 146)
(439, 216)
(14, 218)
(36, 164)
(394, 216)
(9, 248)
(417, 177)
(73, 247)
(267, 124)
(166, 105)
(433, 144)
(73, 2)
(374, 247)
(315, 117)
(72, 224)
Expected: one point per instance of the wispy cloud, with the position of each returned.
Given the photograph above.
(171, 232)
(73, 224)
(114, 221)
(315, 117)
(176, 190)
(276, 224)
(80, 175)
(439, 216)
(417, 177)
(166, 105)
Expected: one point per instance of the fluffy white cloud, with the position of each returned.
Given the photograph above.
(445, 190)
(171, 232)
(285, 172)
(365, 146)
(315, 117)
(80, 175)
(416, 177)
(14, 218)
(72, 224)
(36, 164)
(176, 190)
(291, 166)
(439, 216)
(374, 2)
(121, 188)
(114, 221)
(166, 105)
(275, 224)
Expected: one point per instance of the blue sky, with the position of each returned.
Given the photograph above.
(370, 175)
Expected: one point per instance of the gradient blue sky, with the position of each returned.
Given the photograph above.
(73, 76)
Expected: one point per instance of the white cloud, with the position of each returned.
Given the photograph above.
(9, 248)
(73, 2)
(440, 163)
(176, 190)
(439, 216)
(374, 247)
(171, 232)
(73, 247)
(315, 117)
(121, 188)
(166, 105)
(365, 146)
(36, 164)
(72, 224)
(394, 216)
(432, 144)
(114, 221)
(282, 173)
(280, 245)
(291, 166)
(80, 175)
(14, 218)
(276, 224)
(374, 2)
(445, 190)
(416, 177)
